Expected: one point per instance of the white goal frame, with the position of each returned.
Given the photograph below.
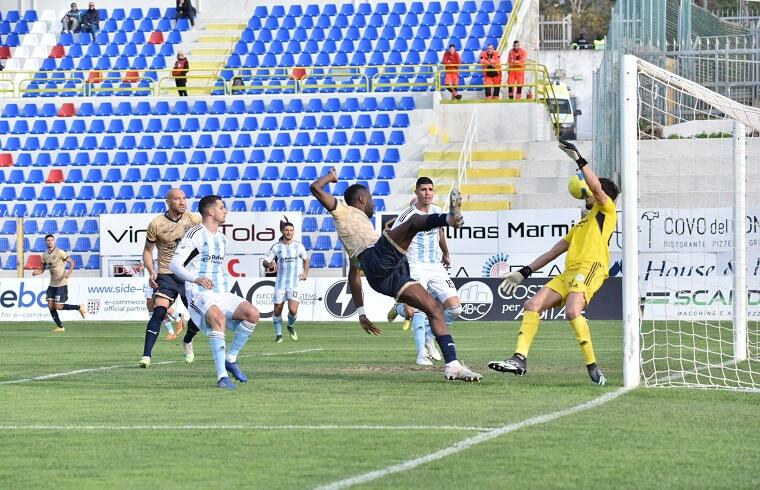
(743, 117)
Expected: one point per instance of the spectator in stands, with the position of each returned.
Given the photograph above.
(91, 21)
(451, 62)
(185, 10)
(516, 59)
(179, 72)
(237, 83)
(581, 42)
(491, 62)
(72, 19)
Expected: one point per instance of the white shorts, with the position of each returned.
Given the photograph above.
(280, 295)
(435, 279)
(200, 302)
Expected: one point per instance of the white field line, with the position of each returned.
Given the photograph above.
(121, 366)
(243, 427)
(470, 442)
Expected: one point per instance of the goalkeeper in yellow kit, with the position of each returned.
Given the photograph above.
(586, 268)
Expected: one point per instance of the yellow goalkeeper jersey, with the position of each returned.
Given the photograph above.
(590, 238)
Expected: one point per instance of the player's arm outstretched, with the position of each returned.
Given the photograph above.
(318, 190)
(355, 284)
(513, 279)
(181, 257)
(588, 174)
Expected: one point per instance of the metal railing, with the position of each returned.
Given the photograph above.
(465, 156)
(555, 33)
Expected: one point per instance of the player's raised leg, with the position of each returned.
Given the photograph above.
(416, 296)
(403, 234)
(245, 318)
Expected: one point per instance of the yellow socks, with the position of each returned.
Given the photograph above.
(528, 329)
(583, 335)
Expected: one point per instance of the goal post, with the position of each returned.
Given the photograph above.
(691, 233)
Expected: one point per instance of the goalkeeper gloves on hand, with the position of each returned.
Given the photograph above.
(512, 279)
(573, 153)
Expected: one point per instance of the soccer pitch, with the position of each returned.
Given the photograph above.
(341, 406)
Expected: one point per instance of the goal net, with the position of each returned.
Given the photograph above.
(690, 170)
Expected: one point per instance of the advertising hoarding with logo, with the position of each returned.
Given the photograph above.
(682, 298)
(248, 233)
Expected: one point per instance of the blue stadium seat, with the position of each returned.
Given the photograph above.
(265, 190)
(93, 262)
(244, 190)
(297, 206)
(133, 175)
(69, 227)
(284, 189)
(317, 260)
(337, 260)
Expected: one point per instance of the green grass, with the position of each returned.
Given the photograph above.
(648, 438)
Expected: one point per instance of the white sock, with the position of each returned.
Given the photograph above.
(454, 363)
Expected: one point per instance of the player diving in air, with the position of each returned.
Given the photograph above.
(383, 260)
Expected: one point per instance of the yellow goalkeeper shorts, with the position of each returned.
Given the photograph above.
(585, 278)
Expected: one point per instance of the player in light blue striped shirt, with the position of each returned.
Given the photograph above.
(428, 257)
(199, 260)
(288, 257)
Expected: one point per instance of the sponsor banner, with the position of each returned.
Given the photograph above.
(483, 300)
(534, 230)
(106, 299)
(249, 233)
(683, 298)
(693, 230)
(484, 265)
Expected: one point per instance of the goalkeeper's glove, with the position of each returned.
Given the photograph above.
(573, 153)
(512, 279)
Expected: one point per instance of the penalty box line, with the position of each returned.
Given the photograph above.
(460, 446)
(122, 366)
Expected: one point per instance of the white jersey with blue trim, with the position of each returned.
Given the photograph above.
(424, 248)
(202, 253)
(290, 259)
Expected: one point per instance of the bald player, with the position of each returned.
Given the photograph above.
(164, 233)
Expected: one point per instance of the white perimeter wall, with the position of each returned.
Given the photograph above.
(577, 67)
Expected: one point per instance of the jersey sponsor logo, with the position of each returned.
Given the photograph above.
(477, 300)
(217, 259)
(338, 300)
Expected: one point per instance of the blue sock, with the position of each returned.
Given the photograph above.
(153, 329)
(448, 349)
(400, 310)
(277, 320)
(216, 341)
(418, 329)
(428, 330)
(56, 318)
(243, 331)
(291, 320)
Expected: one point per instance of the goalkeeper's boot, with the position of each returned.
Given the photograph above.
(431, 350)
(455, 208)
(58, 330)
(144, 362)
(292, 332)
(516, 364)
(460, 372)
(234, 370)
(596, 375)
(82, 311)
(189, 353)
(226, 383)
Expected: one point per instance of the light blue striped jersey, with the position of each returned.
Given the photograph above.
(424, 248)
(290, 259)
(203, 254)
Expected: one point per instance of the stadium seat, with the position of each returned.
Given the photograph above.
(317, 260)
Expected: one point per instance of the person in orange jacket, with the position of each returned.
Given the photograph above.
(491, 62)
(451, 62)
(516, 79)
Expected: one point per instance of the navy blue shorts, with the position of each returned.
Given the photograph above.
(59, 294)
(385, 268)
(170, 286)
